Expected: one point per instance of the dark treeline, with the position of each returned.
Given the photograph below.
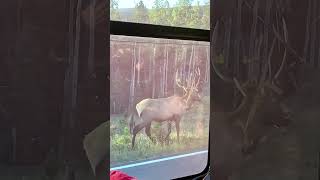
(183, 13)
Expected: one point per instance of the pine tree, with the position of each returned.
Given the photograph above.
(161, 13)
(195, 17)
(182, 13)
(141, 14)
(205, 20)
(114, 10)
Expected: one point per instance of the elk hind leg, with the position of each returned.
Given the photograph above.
(148, 131)
(137, 129)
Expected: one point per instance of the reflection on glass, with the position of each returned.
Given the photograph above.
(181, 13)
(159, 87)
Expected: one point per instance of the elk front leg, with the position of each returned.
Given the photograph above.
(148, 132)
(177, 123)
(169, 132)
(136, 129)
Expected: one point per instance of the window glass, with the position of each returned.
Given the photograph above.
(157, 81)
(181, 13)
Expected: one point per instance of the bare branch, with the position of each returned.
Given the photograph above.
(285, 30)
(214, 37)
(239, 87)
(238, 109)
(285, 50)
(226, 79)
(252, 112)
(307, 32)
(275, 32)
(265, 70)
(269, 57)
(257, 98)
(274, 88)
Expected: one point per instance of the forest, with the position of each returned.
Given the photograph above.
(182, 13)
(147, 68)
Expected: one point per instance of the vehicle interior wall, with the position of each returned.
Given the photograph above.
(26, 69)
(35, 91)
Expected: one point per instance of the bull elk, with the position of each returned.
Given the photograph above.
(168, 109)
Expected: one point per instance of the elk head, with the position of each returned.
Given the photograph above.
(191, 92)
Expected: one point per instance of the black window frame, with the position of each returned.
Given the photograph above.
(164, 32)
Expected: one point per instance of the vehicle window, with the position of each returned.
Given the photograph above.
(159, 87)
(180, 13)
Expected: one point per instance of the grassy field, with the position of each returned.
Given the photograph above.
(194, 135)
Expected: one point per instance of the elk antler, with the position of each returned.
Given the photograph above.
(194, 84)
(179, 85)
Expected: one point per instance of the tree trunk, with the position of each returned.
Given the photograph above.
(153, 71)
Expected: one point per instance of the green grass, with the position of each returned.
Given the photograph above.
(193, 136)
